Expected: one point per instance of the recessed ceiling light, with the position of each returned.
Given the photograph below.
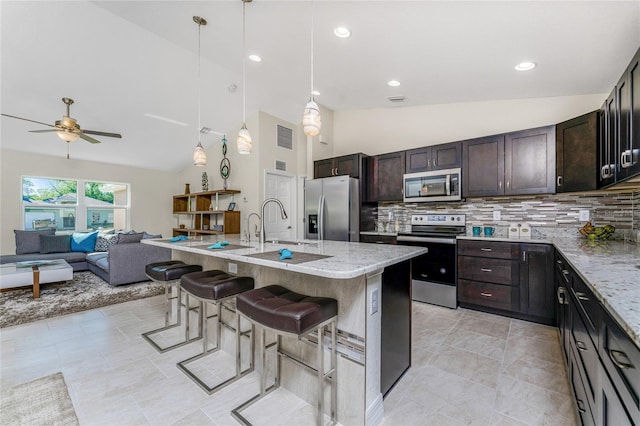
(342, 32)
(255, 58)
(315, 93)
(393, 83)
(525, 66)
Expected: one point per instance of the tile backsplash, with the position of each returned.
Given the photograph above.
(555, 214)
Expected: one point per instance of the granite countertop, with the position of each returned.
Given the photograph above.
(610, 268)
(346, 260)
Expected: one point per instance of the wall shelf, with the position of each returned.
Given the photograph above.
(203, 210)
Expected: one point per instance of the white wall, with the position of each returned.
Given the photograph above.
(151, 190)
(377, 131)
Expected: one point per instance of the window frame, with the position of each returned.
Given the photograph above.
(81, 206)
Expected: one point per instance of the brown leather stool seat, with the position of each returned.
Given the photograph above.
(220, 289)
(279, 308)
(214, 285)
(169, 270)
(290, 314)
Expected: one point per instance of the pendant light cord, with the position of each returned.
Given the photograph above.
(199, 91)
(312, 21)
(244, 66)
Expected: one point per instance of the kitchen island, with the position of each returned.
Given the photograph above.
(352, 273)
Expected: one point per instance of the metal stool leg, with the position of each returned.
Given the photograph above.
(167, 326)
(182, 365)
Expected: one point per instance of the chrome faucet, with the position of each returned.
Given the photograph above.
(247, 231)
(283, 213)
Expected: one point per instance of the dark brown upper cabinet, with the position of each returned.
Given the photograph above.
(510, 164)
(436, 157)
(386, 175)
(608, 141)
(483, 166)
(349, 165)
(576, 153)
(530, 161)
(628, 101)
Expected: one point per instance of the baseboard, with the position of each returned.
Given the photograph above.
(375, 412)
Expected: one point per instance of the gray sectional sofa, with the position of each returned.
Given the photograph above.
(121, 263)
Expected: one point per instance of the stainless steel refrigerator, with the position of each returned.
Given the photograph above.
(332, 209)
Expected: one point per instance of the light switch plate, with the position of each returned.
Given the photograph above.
(584, 215)
(496, 215)
(374, 301)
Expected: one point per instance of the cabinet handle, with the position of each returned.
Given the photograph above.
(434, 163)
(559, 181)
(486, 294)
(485, 249)
(625, 159)
(581, 296)
(424, 275)
(581, 345)
(561, 294)
(524, 256)
(508, 184)
(337, 171)
(500, 184)
(613, 354)
(428, 163)
(486, 270)
(565, 272)
(580, 405)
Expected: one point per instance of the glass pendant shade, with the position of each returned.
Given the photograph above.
(199, 156)
(311, 120)
(68, 136)
(244, 142)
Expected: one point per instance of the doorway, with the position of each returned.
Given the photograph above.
(281, 186)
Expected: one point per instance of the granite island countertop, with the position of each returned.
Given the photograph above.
(611, 268)
(340, 260)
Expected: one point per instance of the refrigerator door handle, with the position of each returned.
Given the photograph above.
(321, 218)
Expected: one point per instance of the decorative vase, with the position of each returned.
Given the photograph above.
(205, 182)
(186, 189)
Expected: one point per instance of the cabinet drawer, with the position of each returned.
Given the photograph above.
(378, 239)
(584, 409)
(585, 354)
(563, 271)
(588, 307)
(499, 271)
(492, 249)
(621, 359)
(486, 294)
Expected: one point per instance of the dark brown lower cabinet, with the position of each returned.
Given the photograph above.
(378, 239)
(514, 279)
(603, 362)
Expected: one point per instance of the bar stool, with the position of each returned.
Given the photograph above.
(295, 315)
(219, 288)
(169, 273)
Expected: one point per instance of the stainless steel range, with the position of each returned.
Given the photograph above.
(434, 275)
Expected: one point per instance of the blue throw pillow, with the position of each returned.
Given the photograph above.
(84, 241)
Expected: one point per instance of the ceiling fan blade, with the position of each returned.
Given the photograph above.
(89, 138)
(95, 132)
(26, 119)
(44, 131)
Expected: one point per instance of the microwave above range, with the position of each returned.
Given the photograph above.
(438, 185)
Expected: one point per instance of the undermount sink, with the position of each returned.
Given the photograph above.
(294, 243)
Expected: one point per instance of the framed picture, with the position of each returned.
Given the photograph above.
(231, 206)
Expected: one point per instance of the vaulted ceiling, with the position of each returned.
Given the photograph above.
(124, 62)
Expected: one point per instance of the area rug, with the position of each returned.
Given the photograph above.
(44, 401)
(85, 291)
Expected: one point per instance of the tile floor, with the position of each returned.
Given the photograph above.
(468, 368)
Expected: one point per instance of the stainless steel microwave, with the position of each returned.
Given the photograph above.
(437, 185)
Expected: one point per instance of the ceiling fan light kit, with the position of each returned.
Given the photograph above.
(199, 154)
(244, 144)
(311, 119)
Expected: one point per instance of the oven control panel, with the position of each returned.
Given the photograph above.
(438, 219)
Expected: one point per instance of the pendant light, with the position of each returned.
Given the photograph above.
(244, 142)
(199, 155)
(311, 120)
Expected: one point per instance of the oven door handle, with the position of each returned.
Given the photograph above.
(447, 184)
(412, 239)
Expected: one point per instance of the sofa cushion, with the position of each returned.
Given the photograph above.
(104, 241)
(93, 258)
(147, 236)
(84, 241)
(55, 243)
(129, 238)
(103, 264)
(70, 257)
(29, 241)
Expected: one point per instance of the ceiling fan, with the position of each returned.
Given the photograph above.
(68, 128)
